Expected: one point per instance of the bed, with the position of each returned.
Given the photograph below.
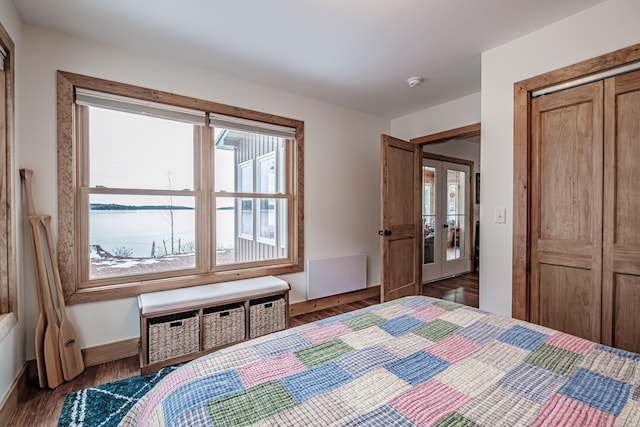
(411, 361)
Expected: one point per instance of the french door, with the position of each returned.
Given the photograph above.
(446, 225)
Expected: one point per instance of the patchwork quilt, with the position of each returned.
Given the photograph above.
(415, 361)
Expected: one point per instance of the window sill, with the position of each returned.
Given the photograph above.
(7, 321)
(133, 289)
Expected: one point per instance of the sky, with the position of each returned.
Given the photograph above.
(147, 153)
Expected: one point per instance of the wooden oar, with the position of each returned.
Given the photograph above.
(52, 331)
(41, 324)
(70, 352)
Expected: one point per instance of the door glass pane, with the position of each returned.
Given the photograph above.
(456, 220)
(429, 213)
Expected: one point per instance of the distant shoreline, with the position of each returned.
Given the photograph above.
(117, 207)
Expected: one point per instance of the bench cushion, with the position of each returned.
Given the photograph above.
(216, 294)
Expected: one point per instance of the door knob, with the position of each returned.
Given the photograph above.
(384, 233)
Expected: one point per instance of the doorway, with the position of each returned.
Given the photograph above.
(446, 218)
(402, 232)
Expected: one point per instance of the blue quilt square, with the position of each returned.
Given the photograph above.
(417, 302)
(190, 396)
(383, 416)
(280, 346)
(400, 325)
(619, 352)
(362, 361)
(481, 333)
(312, 382)
(417, 368)
(522, 337)
(600, 392)
(532, 382)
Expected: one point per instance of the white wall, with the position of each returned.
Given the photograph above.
(604, 28)
(12, 346)
(458, 148)
(342, 201)
(454, 114)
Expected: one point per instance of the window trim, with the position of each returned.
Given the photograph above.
(8, 286)
(69, 192)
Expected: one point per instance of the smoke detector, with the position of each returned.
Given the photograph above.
(414, 81)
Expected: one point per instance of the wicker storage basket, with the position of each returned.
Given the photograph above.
(173, 336)
(223, 325)
(267, 315)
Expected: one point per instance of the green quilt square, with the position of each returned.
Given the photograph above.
(455, 420)
(555, 359)
(322, 353)
(363, 321)
(437, 330)
(250, 406)
(448, 305)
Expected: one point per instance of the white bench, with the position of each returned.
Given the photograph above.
(173, 328)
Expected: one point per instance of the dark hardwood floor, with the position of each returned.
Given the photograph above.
(462, 289)
(42, 407)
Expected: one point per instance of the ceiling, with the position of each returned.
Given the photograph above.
(353, 53)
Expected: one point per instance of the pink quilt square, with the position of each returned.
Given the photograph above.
(453, 348)
(326, 333)
(429, 313)
(571, 343)
(566, 412)
(428, 403)
(269, 369)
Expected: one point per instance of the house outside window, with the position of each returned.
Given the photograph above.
(166, 195)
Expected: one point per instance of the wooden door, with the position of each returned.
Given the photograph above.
(401, 222)
(621, 262)
(566, 210)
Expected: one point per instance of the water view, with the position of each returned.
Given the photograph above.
(135, 231)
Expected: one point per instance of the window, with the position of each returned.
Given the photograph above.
(8, 291)
(161, 191)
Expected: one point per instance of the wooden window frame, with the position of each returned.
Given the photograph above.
(522, 161)
(70, 208)
(8, 286)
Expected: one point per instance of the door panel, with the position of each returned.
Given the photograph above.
(626, 328)
(401, 223)
(621, 255)
(576, 288)
(566, 213)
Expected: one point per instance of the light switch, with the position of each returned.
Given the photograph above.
(501, 216)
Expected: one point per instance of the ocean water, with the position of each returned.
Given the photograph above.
(136, 230)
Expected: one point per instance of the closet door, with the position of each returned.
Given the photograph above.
(621, 256)
(566, 210)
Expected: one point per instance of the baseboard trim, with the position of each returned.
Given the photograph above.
(110, 352)
(332, 301)
(16, 393)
